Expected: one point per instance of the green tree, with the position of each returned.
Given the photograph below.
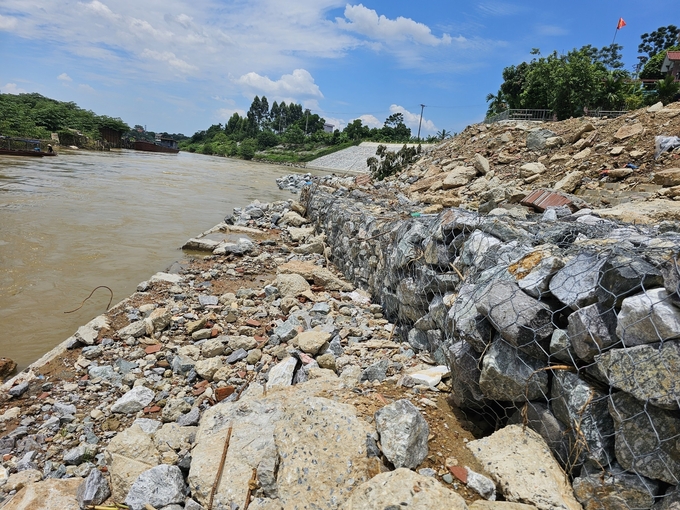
(247, 148)
(660, 39)
(355, 130)
(394, 129)
(497, 103)
(652, 69)
(266, 139)
(294, 135)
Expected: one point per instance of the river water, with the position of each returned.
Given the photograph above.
(83, 219)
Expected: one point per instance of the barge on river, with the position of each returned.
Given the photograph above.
(161, 144)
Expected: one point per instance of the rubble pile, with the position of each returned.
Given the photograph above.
(605, 162)
(565, 322)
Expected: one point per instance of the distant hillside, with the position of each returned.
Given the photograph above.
(36, 116)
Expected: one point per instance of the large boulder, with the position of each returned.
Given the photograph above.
(402, 488)
(510, 375)
(537, 138)
(519, 461)
(591, 331)
(612, 487)
(128, 455)
(648, 372)
(522, 321)
(648, 318)
(51, 494)
(403, 433)
(646, 438)
(159, 487)
(323, 455)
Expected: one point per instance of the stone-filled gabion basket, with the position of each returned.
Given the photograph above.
(565, 322)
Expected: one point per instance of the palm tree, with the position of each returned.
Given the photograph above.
(667, 89)
(497, 103)
(443, 134)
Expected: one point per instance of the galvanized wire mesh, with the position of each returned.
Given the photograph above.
(566, 323)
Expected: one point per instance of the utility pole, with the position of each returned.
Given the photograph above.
(422, 107)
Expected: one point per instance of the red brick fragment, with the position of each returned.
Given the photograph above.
(150, 349)
(253, 323)
(459, 472)
(224, 392)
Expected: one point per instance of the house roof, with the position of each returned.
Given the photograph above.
(673, 55)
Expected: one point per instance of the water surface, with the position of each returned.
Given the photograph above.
(83, 219)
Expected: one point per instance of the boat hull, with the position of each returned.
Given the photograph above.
(30, 154)
(152, 147)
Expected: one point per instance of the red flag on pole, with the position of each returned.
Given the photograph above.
(621, 24)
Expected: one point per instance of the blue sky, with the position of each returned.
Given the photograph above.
(181, 66)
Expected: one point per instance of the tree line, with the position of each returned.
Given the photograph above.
(291, 128)
(588, 78)
(35, 116)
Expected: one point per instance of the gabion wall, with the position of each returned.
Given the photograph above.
(565, 322)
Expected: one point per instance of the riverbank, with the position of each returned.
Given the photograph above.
(160, 369)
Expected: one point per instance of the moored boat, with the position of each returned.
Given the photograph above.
(26, 147)
(167, 145)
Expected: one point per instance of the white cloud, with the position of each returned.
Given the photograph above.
(299, 84)
(100, 9)
(170, 58)
(85, 88)
(224, 114)
(366, 22)
(11, 88)
(7, 22)
(412, 120)
(371, 121)
(64, 77)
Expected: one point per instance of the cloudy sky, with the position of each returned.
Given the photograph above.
(180, 66)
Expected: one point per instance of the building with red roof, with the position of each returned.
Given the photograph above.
(671, 64)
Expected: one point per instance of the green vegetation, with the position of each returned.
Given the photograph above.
(285, 133)
(389, 163)
(587, 79)
(36, 116)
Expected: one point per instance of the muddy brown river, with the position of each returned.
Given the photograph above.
(83, 219)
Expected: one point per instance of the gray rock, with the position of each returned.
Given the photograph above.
(577, 283)
(190, 418)
(135, 329)
(394, 490)
(147, 425)
(537, 138)
(403, 434)
(62, 410)
(418, 340)
(624, 274)
(237, 355)
(510, 375)
(77, 455)
(190, 504)
(134, 400)
(592, 330)
(94, 490)
(560, 347)
(182, 365)
(476, 248)
(647, 372)
(648, 318)
(543, 265)
(205, 300)
(237, 342)
(614, 488)
(522, 321)
(645, 438)
(125, 367)
(375, 372)
(212, 347)
(482, 485)
(463, 362)
(466, 321)
(106, 373)
(286, 331)
(159, 486)
(584, 410)
(18, 390)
